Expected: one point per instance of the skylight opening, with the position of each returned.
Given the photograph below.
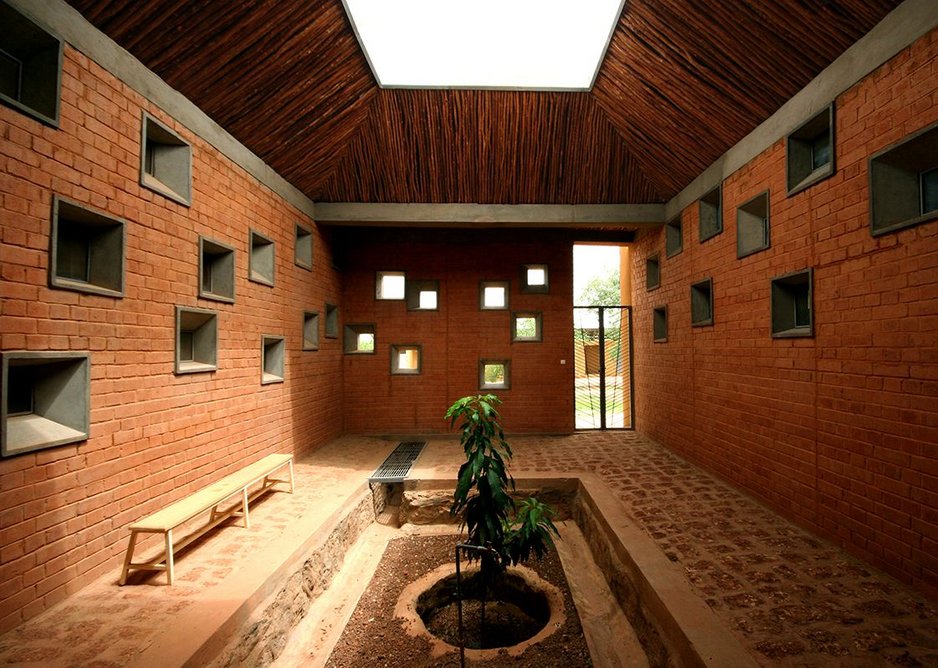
(522, 44)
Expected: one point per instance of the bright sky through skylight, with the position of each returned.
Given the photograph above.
(540, 44)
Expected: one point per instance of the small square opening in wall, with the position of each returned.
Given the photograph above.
(310, 330)
(493, 295)
(810, 155)
(216, 271)
(30, 67)
(390, 285)
(526, 326)
(406, 359)
(494, 374)
(792, 308)
(331, 329)
(360, 339)
(273, 349)
(535, 279)
(261, 259)
(652, 272)
(673, 237)
(701, 303)
(752, 225)
(87, 250)
(904, 183)
(45, 400)
(659, 324)
(165, 161)
(423, 295)
(196, 340)
(710, 208)
(303, 248)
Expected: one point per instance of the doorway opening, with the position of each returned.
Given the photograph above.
(602, 338)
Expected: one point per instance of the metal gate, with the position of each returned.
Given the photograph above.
(602, 342)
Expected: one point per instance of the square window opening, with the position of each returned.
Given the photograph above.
(534, 279)
(165, 162)
(45, 400)
(423, 295)
(673, 237)
(701, 303)
(810, 151)
(390, 285)
(310, 330)
(752, 225)
(660, 324)
(792, 308)
(406, 359)
(303, 248)
(493, 295)
(710, 208)
(360, 339)
(196, 340)
(216, 271)
(261, 259)
(494, 374)
(526, 326)
(30, 67)
(87, 250)
(273, 349)
(904, 183)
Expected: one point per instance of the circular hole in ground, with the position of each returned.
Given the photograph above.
(514, 610)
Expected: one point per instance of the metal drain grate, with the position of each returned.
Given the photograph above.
(396, 467)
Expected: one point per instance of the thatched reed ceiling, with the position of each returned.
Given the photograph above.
(683, 81)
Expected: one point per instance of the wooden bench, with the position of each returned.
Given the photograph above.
(205, 500)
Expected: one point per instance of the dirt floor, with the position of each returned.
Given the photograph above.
(375, 637)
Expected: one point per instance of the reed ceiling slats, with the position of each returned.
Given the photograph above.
(682, 82)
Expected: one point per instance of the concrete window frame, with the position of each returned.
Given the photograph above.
(303, 247)
(792, 304)
(33, 55)
(701, 303)
(262, 258)
(537, 336)
(360, 339)
(652, 272)
(488, 295)
(659, 324)
(903, 183)
(710, 210)
(331, 325)
(753, 227)
(535, 279)
(86, 249)
(196, 340)
(674, 237)
(810, 152)
(273, 353)
(165, 161)
(216, 271)
(410, 352)
(390, 285)
(489, 374)
(310, 333)
(419, 298)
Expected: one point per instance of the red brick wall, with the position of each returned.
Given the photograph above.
(458, 335)
(839, 431)
(155, 436)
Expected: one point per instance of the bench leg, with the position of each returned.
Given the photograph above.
(169, 556)
(291, 475)
(128, 558)
(244, 508)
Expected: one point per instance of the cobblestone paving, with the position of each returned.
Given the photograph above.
(792, 599)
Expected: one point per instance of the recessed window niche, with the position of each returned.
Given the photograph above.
(216, 271)
(45, 400)
(701, 303)
(526, 326)
(792, 308)
(406, 359)
(30, 67)
(659, 324)
(196, 340)
(494, 374)
(359, 339)
(303, 247)
(652, 272)
(261, 258)
(423, 295)
(904, 183)
(331, 328)
(390, 285)
(752, 225)
(86, 250)
(534, 279)
(310, 330)
(810, 155)
(710, 208)
(493, 295)
(165, 161)
(673, 237)
(273, 349)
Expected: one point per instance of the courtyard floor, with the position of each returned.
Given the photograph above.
(792, 599)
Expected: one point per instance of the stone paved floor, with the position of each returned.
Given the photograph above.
(792, 599)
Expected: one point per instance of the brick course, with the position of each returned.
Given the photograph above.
(839, 431)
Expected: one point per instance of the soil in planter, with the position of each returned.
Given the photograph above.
(374, 637)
